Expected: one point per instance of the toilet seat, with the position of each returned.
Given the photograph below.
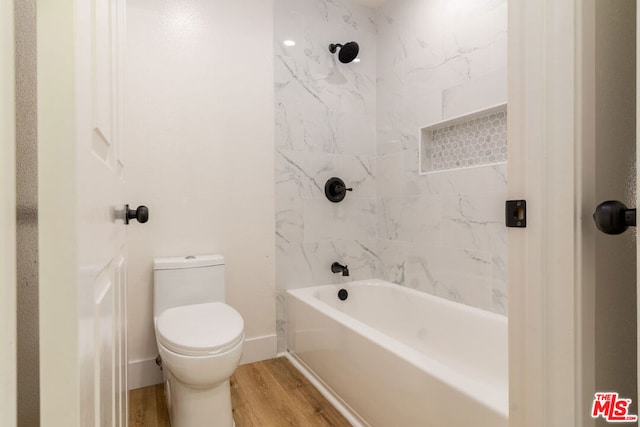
(200, 329)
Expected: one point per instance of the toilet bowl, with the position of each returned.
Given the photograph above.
(199, 339)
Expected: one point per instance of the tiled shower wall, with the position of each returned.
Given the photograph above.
(325, 126)
(422, 61)
(441, 232)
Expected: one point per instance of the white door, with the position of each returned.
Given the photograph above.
(7, 220)
(81, 202)
(571, 140)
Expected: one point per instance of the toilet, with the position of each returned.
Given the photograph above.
(199, 339)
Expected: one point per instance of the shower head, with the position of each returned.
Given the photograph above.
(348, 51)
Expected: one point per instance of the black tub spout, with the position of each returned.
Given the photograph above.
(339, 268)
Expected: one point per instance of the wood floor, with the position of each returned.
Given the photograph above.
(147, 407)
(271, 393)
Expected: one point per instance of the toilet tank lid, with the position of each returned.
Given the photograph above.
(189, 261)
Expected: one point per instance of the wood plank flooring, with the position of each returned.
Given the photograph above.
(147, 407)
(271, 393)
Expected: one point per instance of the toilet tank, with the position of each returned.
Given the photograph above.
(187, 280)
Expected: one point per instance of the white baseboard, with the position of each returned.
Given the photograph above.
(143, 373)
(259, 348)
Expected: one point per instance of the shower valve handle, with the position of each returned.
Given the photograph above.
(335, 189)
(613, 217)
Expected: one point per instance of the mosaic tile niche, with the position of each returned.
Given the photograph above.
(476, 139)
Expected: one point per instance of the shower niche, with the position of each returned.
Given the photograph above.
(474, 139)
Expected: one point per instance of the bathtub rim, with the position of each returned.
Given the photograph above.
(421, 294)
(492, 397)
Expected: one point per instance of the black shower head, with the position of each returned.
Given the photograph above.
(348, 51)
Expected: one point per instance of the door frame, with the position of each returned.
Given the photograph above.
(637, 193)
(57, 248)
(551, 278)
(8, 384)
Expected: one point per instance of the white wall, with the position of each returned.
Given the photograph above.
(199, 129)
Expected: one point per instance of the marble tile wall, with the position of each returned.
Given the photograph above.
(441, 232)
(325, 126)
(421, 61)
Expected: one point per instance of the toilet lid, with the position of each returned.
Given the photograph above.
(200, 329)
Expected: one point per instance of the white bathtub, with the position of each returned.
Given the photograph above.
(398, 357)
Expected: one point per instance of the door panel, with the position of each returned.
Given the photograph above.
(105, 231)
(121, 392)
(88, 182)
(104, 80)
(105, 341)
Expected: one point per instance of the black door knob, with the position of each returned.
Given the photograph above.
(613, 217)
(141, 214)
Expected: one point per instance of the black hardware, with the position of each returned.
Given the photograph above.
(348, 51)
(613, 217)
(141, 214)
(335, 189)
(339, 268)
(515, 213)
(343, 294)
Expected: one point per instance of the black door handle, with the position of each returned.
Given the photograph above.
(613, 217)
(141, 214)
